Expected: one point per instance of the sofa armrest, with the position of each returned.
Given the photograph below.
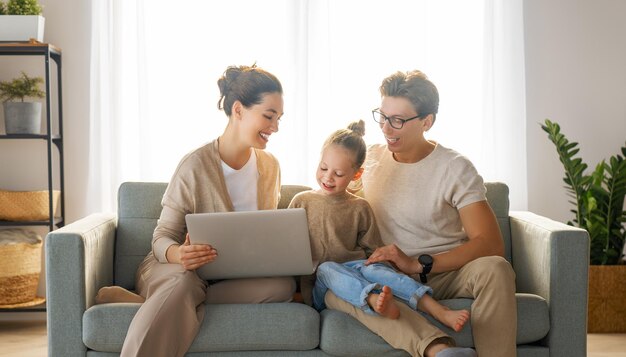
(551, 260)
(79, 260)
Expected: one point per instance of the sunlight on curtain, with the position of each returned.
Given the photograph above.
(116, 100)
(155, 68)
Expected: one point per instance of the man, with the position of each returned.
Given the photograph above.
(430, 204)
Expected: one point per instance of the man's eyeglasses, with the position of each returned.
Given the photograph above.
(395, 123)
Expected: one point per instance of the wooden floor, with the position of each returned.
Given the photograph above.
(23, 338)
(28, 338)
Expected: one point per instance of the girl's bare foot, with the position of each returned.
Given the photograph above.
(384, 304)
(454, 319)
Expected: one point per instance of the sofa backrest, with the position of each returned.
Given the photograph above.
(498, 198)
(139, 208)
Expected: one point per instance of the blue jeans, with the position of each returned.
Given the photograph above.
(354, 281)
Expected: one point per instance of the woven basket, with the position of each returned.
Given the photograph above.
(20, 265)
(607, 299)
(26, 205)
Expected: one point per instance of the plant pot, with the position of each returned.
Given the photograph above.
(22, 117)
(21, 27)
(607, 299)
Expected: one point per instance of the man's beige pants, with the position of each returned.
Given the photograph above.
(168, 321)
(490, 281)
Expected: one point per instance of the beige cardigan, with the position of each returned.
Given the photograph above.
(198, 186)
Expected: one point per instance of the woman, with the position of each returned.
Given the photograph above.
(432, 212)
(231, 173)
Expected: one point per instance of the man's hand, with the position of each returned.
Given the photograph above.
(395, 256)
(193, 256)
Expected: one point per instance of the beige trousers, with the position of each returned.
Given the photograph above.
(490, 281)
(168, 321)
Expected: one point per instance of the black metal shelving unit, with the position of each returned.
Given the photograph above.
(52, 137)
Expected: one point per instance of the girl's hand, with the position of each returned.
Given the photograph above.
(396, 257)
(193, 256)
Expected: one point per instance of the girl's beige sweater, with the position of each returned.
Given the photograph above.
(342, 228)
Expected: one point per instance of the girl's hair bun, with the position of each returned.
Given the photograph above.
(358, 127)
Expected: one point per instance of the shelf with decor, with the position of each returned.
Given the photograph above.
(51, 200)
(50, 136)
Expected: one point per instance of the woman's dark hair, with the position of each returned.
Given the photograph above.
(246, 84)
(414, 86)
(350, 139)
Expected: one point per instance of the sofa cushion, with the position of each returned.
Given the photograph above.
(533, 320)
(309, 353)
(341, 335)
(241, 327)
(345, 336)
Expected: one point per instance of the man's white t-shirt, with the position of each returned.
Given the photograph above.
(416, 205)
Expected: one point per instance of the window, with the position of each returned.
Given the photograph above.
(155, 68)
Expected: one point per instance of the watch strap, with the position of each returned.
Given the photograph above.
(426, 268)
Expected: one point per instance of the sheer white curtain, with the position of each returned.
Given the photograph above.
(155, 66)
(119, 144)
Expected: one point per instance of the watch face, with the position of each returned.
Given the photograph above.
(425, 259)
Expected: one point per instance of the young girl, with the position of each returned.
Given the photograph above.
(344, 233)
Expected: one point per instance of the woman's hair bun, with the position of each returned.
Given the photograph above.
(229, 76)
(358, 127)
(245, 84)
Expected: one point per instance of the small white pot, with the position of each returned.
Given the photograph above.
(22, 117)
(21, 27)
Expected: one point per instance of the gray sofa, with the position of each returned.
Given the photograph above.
(549, 258)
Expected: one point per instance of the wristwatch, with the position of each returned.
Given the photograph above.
(427, 264)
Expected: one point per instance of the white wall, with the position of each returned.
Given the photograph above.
(68, 26)
(576, 76)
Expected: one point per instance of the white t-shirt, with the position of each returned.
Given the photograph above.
(242, 184)
(416, 205)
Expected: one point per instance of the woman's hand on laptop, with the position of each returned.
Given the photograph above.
(192, 256)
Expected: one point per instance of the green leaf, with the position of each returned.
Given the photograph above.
(21, 88)
(24, 7)
(598, 199)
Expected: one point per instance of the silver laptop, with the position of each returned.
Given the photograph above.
(252, 244)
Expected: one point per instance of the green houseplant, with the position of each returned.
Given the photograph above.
(23, 7)
(21, 20)
(598, 200)
(21, 88)
(20, 116)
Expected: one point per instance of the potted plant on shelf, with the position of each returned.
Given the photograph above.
(22, 117)
(21, 20)
(598, 201)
